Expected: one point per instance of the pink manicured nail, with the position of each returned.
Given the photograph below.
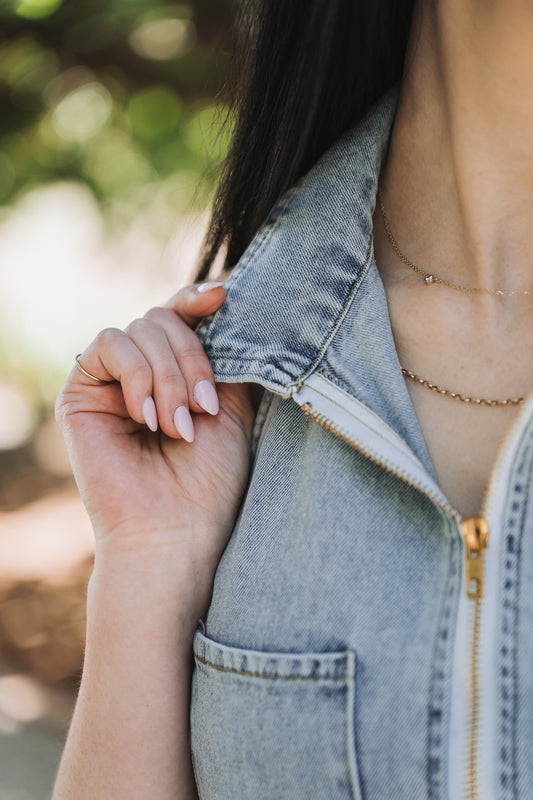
(149, 413)
(183, 423)
(208, 285)
(206, 396)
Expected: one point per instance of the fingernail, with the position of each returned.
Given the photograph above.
(206, 396)
(149, 413)
(183, 423)
(208, 285)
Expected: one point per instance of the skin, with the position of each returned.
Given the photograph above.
(458, 191)
(162, 510)
(457, 187)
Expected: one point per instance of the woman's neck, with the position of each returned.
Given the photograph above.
(458, 183)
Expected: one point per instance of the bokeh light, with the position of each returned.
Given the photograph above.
(17, 418)
(21, 698)
(163, 39)
(110, 147)
(154, 113)
(83, 112)
(36, 9)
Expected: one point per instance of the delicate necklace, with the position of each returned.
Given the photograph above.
(428, 277)
(479, 401)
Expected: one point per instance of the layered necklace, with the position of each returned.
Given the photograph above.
(430, 280)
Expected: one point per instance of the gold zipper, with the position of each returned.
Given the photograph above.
(475, 533)
(331, 426)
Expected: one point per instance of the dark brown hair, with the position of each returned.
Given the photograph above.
(303, 72)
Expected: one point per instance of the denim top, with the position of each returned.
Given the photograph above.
(334, 656)
(290, 290)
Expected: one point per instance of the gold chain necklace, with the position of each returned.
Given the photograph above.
(478, 401)
(429, 278)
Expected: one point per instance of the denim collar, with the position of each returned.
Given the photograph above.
(307, 295)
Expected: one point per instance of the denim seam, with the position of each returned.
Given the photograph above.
(245, 358)
(270, 675)
(350, 398)
(298, 383)
(332, 378)
(350, 752)
(515, 649)
(273, 220)
(263, 413)
(294, 384)
(434, 763)
(516, 629)
(514, 520)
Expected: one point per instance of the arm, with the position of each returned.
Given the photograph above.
(162, 508)
(129, 736)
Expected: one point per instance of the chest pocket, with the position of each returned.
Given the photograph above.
(272, 726)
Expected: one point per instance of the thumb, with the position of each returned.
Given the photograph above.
(197, 300)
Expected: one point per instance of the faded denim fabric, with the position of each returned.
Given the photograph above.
(324, 667)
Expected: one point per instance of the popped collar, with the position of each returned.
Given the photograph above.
(308, 285)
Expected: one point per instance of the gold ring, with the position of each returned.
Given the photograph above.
(88, 374)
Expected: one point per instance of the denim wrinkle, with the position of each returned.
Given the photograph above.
(323, 668)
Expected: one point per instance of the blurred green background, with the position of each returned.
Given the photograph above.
(118, 94)
(110, 146)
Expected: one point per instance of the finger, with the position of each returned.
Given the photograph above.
(113, 356)
(169, 387)
(193, 363)
(197, 300)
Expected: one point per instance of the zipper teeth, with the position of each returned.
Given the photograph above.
(471, 766)
(472, 756)
(488, 496)
(325, 422)
(472, 788)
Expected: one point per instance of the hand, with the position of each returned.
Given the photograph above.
(153, 497)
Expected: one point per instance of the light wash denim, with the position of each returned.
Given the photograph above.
(331, 662)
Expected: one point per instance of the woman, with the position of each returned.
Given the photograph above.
(367, 632)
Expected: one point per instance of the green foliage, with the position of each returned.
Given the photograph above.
(36, 9)
(154, 113)
(119, 94)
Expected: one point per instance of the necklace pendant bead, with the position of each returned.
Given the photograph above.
(428, 278)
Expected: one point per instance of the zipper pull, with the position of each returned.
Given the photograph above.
(475, 532)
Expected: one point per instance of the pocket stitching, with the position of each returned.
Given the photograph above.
(350, 751)
(275, 675)
(352, 772)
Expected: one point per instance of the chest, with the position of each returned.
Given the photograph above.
(463, 442)
(437, 341)
(463, 439)
(362, 580)
(468, 347)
